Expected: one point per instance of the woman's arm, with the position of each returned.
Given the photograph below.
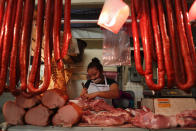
(113, 93)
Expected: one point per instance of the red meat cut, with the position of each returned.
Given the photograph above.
(12, 113)
(67, 115)
(27, 102)
(54, 98)
(38, 116)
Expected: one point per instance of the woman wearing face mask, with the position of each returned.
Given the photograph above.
(97, 85)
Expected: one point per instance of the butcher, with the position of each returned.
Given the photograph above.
(98, 86)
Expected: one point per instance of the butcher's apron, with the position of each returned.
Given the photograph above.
(100, 87)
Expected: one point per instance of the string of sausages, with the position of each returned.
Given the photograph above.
(16, 22)
(173, 42)
(166, 38)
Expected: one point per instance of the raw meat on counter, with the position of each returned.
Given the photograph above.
(103, 119)
(144, 118)
(107, 118)
(94, 105)
(38, 116)
(188, 113)
(187, 118)
(98, 112)
(13, 113)
(100, 105)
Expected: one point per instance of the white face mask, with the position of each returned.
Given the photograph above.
(96, 81)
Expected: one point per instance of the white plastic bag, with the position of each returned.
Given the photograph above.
(116, 48)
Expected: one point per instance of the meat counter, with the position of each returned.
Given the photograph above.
(50, 128)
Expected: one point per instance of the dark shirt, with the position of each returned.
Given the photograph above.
(109, 82)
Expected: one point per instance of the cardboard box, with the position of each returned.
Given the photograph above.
(169, 106)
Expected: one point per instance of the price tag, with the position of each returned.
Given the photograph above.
(163, 103)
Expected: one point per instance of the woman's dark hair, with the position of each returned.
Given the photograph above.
(95, 63)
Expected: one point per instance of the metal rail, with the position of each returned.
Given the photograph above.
(92, 21)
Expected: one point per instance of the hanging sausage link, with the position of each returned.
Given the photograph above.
(56, 32)
(67, 28)
(37, 52)
(47, 57)
(15, 47)
(25, 42)
(190, 81)
(6, 43)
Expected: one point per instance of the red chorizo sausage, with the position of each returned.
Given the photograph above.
(189, 34)
(166, 45)
(137, 7)
(47, 57)
(67, 28)
(6, 44)
(136, 41)
(51, 28)
(2, 34)
(12, 34)
(2, 6)
(144, 23)
(150, 30)
(176, 53)
(184, 49)
(29, 31)
(145, 40)
(37, 79)
(147, 46)
(159, 49)
(56, 32)
(1, 42)
(15, 46)
(39, 33)
(25, 42)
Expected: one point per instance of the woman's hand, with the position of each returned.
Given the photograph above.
(84, 91)
(90, 96)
